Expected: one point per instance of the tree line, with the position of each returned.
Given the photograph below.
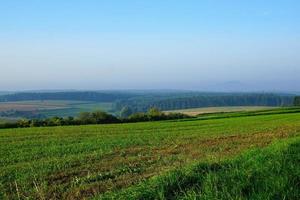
(96, 117)
(78, 96)
(142, 104)
(297, 101)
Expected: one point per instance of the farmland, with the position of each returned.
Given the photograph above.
(197, 111)
(47, 104)
(3, 120)
(50, 108)
(33, 105)
(6, 120)
(75, 109)
(139, 160)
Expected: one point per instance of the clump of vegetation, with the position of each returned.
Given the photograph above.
(154, 114)
(96, 117)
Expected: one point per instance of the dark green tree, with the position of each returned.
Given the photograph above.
(297, 101)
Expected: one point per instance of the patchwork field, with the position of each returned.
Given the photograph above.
(2, 120)
(154, 160)
(33, 105)
(75, 109)
(7, 120)
(50, 108)
(197, 111)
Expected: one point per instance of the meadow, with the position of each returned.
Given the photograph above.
(223, 156)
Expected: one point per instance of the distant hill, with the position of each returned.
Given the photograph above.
(140, 101)
(78, 96)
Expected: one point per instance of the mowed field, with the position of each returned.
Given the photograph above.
(185, 159)
(197, 111)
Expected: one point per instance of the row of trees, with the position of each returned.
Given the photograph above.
(142, 104)
(97, 117)
(297, 101)
(78, 96)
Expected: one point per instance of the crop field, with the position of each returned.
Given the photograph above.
(50, 108)
(2, 120)
(32, 105)
(222, 157)
(6, 120)
(75, 109)
(197, 111)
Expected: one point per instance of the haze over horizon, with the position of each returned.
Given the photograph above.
(194, 45)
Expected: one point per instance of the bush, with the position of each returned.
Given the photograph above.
(155, 114)
(102, 117)
(137, 117)
(177, 116)
(86, 118)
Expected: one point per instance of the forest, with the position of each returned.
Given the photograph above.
(140, 104)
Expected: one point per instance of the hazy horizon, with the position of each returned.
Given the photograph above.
(188, 45)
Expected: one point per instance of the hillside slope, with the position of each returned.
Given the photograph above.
(270, 173)
(78, 162)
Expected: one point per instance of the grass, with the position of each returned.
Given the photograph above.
(101, 161)
(197, 111)
(270, 173)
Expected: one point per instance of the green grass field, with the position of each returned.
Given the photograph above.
(222, 156)
(268, 173)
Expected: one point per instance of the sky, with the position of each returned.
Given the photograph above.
(208, 45)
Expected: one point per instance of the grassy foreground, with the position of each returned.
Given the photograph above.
(132, 160)
(270, 173)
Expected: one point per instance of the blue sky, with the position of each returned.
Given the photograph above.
(150, 44)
